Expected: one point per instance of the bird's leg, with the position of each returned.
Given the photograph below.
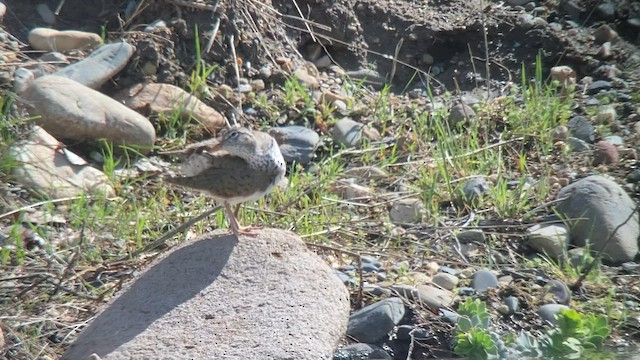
(234, 225)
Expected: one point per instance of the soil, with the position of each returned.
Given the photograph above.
(438, 44)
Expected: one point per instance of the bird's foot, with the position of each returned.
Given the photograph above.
(248, 231)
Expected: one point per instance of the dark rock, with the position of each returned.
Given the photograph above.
(598, 86)
(375, 321)
(361, 352)
(484, 280)
(581, 128)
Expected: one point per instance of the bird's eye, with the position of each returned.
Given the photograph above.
(233, 135)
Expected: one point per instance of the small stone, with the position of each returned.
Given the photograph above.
(433, 297)
(614, 140)
(578, 145)
(340, 106)
(97, 68)
(54, 40)
(560, 133)
(375, 321)
(309, 80)
(323, 62)
(606, 11)
(526, 21)
(54, 56)
(347, 132)
(359, 351)
(598, 86)
(605, 153)
(167, 99)
(559, 290)
(468, 236)
(47, 167)
(297, 143)
(551, 239)
(407, 211)
(427, 59)
(605, 50)
(605, 33)
(548, 312)
(258, 84)
(484, 280)
(445, 280)
(475, 188)
(606, 115)
(581, 128)
(22, 79)
(461, 114)
(513, 304)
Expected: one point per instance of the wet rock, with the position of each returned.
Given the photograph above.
(606, 11)
(599, 206)
(598, 86)
(484, 280)
(297, 143)
(581, 128)
(71, 110)
(406, 211)
(548, 312)
(551, 239)
(54, 40)
(360, 351)
(168, 100)
(97, 68)
(605, 153)
(375, 321)
(222, 276)
(444, 280)
(461, 114)
(47, 167)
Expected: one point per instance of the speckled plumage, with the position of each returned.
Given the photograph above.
(240, 165)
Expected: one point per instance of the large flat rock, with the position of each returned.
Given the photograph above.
(218, 297)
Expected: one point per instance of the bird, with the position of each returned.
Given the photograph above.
(239, 165)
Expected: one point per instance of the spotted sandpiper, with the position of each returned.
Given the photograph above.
(239, 165)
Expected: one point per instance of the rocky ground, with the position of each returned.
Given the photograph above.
(414, 216)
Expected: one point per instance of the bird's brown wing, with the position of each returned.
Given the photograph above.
(199, 147)
(224, 176)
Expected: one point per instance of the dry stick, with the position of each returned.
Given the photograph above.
(60, 4)
(486, 55)
(214, 33)
(394, 63)
(357, 256)
(172, 232)
(41, 203)
(306, 24)
(578, 284)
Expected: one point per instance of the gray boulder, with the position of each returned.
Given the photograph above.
(594, 207)
(219, 297)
